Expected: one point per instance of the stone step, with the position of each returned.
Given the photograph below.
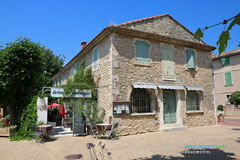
(173, 128)
(61, 131)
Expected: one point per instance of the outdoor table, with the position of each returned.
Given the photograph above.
(45, 129)
(102, 127)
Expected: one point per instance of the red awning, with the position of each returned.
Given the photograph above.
(54, 105)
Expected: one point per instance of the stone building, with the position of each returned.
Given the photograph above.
(151, 73)
(226, 71)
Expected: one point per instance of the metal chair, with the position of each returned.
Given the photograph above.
(53, 128)
(93, 129)
(36, 134)
(112, 132)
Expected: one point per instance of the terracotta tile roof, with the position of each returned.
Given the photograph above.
(143, 19)
(226, 54)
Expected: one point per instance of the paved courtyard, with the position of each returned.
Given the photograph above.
(149, 146)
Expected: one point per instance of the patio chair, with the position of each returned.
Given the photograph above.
(36, 134)
(93, 129)
(53, 128)
(111, 133)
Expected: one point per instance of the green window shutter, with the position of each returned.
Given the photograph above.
(190, 58)
(142, 52)
(168, 62)
(227, 62)
(228, 78)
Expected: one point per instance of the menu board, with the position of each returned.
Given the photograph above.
(121, 107)
(79, 126)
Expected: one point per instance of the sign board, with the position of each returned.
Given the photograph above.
(42, 109)
(79, 125)
(59, 92)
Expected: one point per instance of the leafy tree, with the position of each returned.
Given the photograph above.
(53, 64)
(235, 98)
(225, 35)
(22, 65)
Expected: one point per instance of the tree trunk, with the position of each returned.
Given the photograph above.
(12, 111)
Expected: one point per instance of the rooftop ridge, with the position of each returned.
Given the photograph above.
(142, 19)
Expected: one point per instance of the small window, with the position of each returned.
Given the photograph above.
(193, 101)
(95, 59)
(142, 52)
(141, 101)
(228, 78)
(190, 57)
(75, 68)
(227, 62)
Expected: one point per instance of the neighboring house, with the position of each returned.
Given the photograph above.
(226, 71)
(151, 73)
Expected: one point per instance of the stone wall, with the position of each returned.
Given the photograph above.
(165, 26)
(231, 110)
(137, 124)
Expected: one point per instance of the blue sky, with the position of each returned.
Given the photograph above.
(62, 25)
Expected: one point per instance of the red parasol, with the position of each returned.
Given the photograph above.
(62, 110)
(54, 105)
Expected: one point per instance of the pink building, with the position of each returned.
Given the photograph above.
(226, 74)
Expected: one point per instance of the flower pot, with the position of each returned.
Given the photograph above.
(6, 122)
(8, 132)
(221, 118)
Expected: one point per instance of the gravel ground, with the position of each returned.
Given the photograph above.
(148, 146)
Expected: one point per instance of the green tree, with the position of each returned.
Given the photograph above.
(22, 65)
(53, 63)
(224, 36)
(235, 98)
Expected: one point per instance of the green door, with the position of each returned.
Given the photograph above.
(169, 104)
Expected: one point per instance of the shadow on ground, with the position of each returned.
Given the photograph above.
(211, 154)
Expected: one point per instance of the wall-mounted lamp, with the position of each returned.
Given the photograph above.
(223, 60)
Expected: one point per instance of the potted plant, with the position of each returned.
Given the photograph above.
(6, 120)
(220, 113)
(5, 129)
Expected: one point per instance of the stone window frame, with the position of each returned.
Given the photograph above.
(135, 52)
(151, 103)
(174, 51)
(195, 59)
(96, 47)
(200, 102)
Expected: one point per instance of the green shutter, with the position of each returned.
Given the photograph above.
(228, 78)
(168, 62)
(190, 58)
(227, 62)
(142, 52)
(95, 59)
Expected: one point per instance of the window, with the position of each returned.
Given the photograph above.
(75, 68)
(228, 78)
(168, 62)
(227, 61)
(193, 101)
(190, 57)
(142, 52)
(141, 101)
(95, 59)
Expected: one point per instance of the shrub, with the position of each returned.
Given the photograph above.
(235, 98)
(220, 107)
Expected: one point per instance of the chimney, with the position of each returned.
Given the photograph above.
(83, 44)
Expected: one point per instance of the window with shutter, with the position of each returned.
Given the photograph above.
(95, 59)
(142, 52)
(193, 101)
(75, 68)
(227, 62)
(190, 57)
(228, 78)
(168, 62)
